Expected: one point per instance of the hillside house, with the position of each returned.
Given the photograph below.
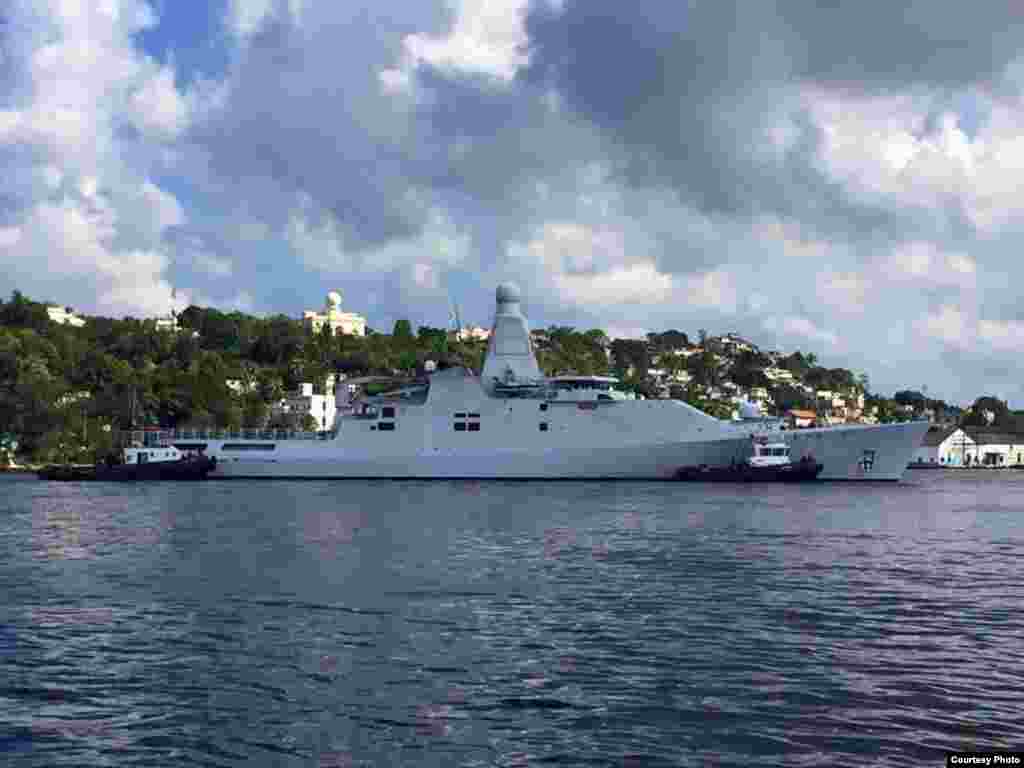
(64, 316)
(800, 418)
(778, 375)
(321, 406)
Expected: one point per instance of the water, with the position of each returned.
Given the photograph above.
(521, 624)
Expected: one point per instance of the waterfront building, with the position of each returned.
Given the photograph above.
(64, 316)
(946, 447)
(994, 448)
(339, 322)
(320, 405)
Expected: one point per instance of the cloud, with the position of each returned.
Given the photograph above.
(89, 219)
(486, 37)
(842, 179)
(800, 328)
(845, 292)
(157, 108)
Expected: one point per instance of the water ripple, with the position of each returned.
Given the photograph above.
(342, 625)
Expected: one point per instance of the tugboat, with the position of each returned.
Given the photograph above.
(770, 462)
(163, 462)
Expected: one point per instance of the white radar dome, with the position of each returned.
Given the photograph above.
(334, 299)
(508, 293)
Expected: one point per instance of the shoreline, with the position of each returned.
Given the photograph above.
(958, 467)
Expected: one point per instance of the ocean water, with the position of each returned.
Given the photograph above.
(521, 624)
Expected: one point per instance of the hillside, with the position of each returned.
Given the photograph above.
(64, 390)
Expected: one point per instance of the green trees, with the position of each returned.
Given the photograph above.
(630, 354)
(402, 332)
(990, 411)
(61, 386)
(30, 387)
(567, 351)
(748, 370)
(19, 312)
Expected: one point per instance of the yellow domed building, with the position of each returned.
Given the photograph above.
(339, 322)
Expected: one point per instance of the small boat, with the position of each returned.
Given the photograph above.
(163, 462)
(770, 462)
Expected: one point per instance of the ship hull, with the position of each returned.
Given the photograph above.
(869, 453)
(186, 469)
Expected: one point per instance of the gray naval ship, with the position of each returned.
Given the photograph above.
(511, 422)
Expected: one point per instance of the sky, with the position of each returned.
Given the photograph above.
(839, 178)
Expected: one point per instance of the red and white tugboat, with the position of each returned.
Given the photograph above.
(770, 462)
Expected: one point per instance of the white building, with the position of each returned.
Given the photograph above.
(994, 448)
(759, 394)
(238, 386)
(778, 374)
(70, 398)
(168, 323)
(735, 343)
(64, 316)
(946, 447)
(332, 316)
(321, 406)
(473, 333)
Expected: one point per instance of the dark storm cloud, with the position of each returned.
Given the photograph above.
(877, 44)
(690, 92)
(319, 125)
(662, 80)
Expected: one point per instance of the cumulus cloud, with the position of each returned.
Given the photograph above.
(485, 37)
(831, 176)
(89, 221)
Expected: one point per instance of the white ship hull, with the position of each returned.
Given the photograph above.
(847, 453)
(504, 425)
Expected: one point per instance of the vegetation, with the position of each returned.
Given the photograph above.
(66, 391)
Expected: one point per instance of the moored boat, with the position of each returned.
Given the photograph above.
(770, 462)
(137, 463)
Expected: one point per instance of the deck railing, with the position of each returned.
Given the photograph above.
(156, 437)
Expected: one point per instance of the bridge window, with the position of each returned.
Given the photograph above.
(387, 413)
(474, 426)
(543, 426)
(460, 426)
(386, 426)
